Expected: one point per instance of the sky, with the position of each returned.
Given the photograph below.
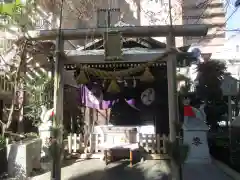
(233, 22)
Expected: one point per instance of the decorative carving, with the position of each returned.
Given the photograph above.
(196, 141)
(148, 96)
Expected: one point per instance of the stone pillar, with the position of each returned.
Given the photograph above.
(45, 134)
(195, 135)
(23, 158)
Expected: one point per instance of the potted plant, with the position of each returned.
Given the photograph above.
(3, 155)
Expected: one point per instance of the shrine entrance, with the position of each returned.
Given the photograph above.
(137, 99)
(123, 67)
(116, 105)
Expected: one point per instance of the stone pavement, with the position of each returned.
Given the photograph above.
(148, 170)
(96, 170)
(203, 172)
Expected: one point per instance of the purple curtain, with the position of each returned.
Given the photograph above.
(94, 99)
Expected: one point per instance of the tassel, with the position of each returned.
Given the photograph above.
(113, 87)
(147, 76)
(82, 78)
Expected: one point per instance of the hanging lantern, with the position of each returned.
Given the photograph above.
(113, 87)
(82, 78)
(147, 76)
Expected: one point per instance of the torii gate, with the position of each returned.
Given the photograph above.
(76, 57)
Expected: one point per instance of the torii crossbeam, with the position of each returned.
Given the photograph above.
(129, 31)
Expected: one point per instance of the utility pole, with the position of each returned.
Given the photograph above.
(58, 104)
(172, 94)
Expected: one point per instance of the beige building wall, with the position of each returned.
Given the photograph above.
(154, 12)
(205, 12)
(134, 12)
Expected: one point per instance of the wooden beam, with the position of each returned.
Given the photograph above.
(97, 56)
(130, 31)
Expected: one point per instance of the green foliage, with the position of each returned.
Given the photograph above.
(18, 15)
(209, 80)
(31, 135)
(215, 111)
(186, 88)
(11, 7)
(39, 92)
(178, 152)
(208, 89)
(2, 142)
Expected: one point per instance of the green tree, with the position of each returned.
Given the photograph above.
(185, 89)
(208, 89)
(209, 80)
(39, 91)
(18, 21)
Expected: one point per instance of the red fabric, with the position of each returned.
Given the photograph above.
(52, 114)
(188, 111)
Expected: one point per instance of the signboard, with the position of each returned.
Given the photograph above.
(229, 86)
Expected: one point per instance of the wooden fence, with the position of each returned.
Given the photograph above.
(75, 143)
(5, 85)
(151, 143)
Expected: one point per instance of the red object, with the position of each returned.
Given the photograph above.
(52, 114)
(188, 111)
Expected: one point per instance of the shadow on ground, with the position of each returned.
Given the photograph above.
(121, 170)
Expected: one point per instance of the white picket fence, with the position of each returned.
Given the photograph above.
(151, 143)
(75, 143)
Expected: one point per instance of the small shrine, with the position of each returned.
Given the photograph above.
(133, 92)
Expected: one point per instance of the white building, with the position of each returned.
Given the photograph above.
(230, 53)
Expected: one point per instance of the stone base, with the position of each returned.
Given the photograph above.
(198, 147)
(23, 158)
(45, 134)
(199, 161)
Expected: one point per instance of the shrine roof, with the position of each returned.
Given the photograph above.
(134, 50)
(127, 43)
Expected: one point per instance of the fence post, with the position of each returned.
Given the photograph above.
(96, 142)
(7, 141)
(140, 139)
(153, 142)
(74, 142)
(147, 146)
(79, 142)
(92, 139)
(158, 144)
(70, 143)
(164, 144)
(131, 157)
